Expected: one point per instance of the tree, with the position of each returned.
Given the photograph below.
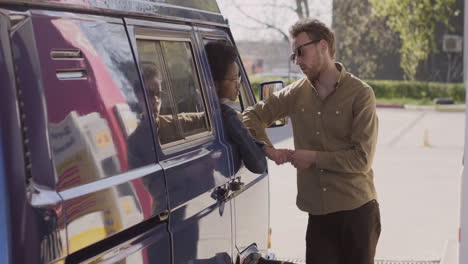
(414, 21)
(364, 41)
(276, 15)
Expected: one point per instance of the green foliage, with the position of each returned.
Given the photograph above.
(415, 21)
(359, 39)
(418, 90)
(412, 92)
(404, 101)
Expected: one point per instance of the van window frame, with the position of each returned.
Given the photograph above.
(249, 98)
(142, 32)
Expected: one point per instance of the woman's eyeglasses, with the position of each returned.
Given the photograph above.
(298, 52)
(238, 80)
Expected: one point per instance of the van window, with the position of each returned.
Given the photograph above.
(173, 90)
(244, 99)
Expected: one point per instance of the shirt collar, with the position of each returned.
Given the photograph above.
(339, 66)
(226, 101)
(342, 71)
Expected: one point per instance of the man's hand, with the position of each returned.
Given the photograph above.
(279, 156)
(302, 159)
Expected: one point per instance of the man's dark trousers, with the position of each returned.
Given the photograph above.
(345, 237)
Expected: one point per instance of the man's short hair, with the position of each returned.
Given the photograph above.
(316, 30)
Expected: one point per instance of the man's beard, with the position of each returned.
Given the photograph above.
(313, 76)
(314, 72)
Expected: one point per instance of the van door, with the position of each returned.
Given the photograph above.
(114, 205)
(251, 200)
(191, 152)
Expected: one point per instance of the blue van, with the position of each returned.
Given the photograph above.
(85, 177)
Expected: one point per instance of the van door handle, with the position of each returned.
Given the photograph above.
(163, 216)
(236, 185)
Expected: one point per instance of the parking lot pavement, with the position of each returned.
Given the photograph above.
(417, 174)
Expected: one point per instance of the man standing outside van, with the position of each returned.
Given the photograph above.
(333, 115)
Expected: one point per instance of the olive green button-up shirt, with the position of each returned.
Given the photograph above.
(342, 128)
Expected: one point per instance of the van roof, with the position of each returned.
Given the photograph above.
(204, 11)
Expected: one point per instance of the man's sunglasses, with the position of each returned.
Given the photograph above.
(298, 52)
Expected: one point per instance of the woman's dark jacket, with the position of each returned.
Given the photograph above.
(245, 147)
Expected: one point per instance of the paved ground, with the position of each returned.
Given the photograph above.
(418, 186)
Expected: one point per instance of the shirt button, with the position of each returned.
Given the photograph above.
(319, 113)
(318, 132)
(337, 112)
(321, 171)
(324, 189)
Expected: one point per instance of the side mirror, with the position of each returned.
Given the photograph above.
(266, 90)
(250, 255)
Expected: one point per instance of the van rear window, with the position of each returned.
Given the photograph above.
(173, 90)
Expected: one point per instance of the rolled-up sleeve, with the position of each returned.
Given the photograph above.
(264, 113)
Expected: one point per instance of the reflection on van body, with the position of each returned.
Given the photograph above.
(98, 176)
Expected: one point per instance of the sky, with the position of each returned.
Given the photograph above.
(243, 13)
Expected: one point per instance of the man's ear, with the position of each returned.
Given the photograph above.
(323, 45)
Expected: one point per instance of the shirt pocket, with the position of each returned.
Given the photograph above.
(337, 122)
(304, 116)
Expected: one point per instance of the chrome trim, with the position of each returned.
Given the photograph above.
(184, 144)
(163, 216)
(66, 54)
(39, 196)
(17, 19)
(109, 182)
(72, 74)
(169, 163)
(157, 25)
(248, 185)
(140, 36)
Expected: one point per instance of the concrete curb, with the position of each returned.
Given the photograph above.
(450, 254)
(390, 106)
(438, 108)
(420, 107)
(450, 108)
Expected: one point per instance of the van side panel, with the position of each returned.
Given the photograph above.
(90, 85)
(200, 216)
(5, 241)
(36, 209)
(89, 179)
(8, 113)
